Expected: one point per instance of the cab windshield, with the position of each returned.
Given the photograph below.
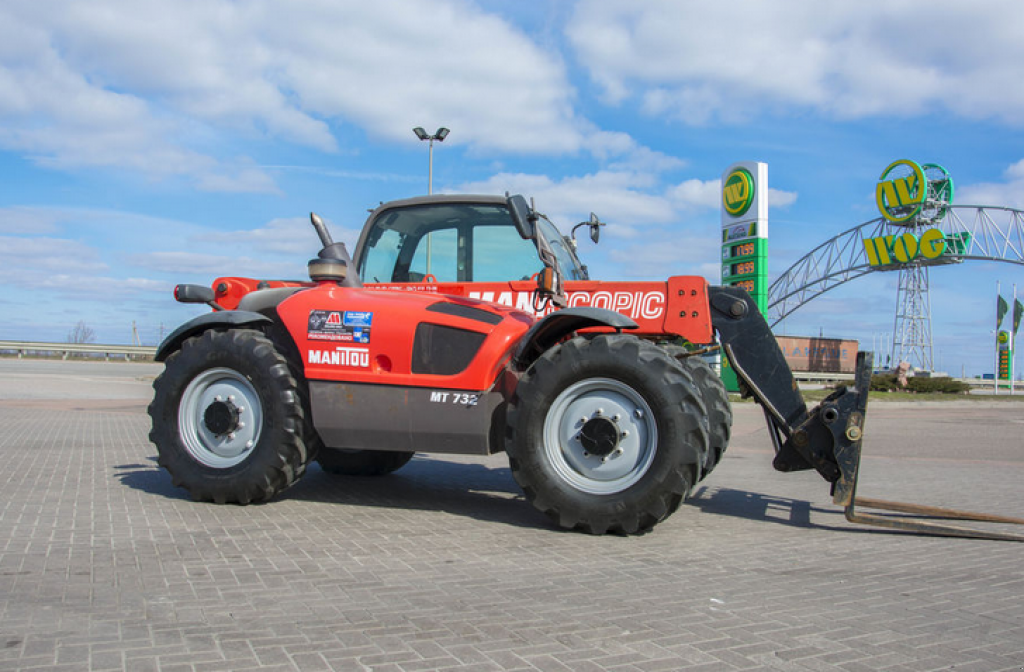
(455, 242)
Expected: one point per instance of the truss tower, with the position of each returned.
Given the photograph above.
(912, 327)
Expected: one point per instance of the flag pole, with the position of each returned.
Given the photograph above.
(1013, 340)
(995, 374)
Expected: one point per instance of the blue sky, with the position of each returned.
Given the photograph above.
(148, 143)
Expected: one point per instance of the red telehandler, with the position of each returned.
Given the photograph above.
(467, 324)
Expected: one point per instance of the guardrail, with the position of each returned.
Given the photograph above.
(23, 348)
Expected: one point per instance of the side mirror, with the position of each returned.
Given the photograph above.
(595, 225)
(521, 216)
(595, 228)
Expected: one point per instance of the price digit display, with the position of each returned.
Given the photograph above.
(745, 284)
(743, 250)
(743, 268)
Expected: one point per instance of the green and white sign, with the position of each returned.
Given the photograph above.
(745, 229)
(745, 237)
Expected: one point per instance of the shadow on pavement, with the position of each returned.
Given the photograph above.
(470, 490)
(149, 478)
(772, 509)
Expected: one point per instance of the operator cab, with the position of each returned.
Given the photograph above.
(459, 239)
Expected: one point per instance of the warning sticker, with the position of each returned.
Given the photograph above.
(350, 326)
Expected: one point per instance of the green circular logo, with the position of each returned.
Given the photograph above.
(738, 192)
(901, 191)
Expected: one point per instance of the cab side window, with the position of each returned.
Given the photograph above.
(499, 254)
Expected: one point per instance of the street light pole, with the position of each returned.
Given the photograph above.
(440, 135)
(430, 167)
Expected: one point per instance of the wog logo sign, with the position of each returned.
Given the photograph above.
(901, 191)
(738, 192)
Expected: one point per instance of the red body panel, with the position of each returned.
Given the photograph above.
(381, 351)
(676, 307)
(229, 291)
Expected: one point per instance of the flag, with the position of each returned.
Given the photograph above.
(1018, 311)
(1001, 309)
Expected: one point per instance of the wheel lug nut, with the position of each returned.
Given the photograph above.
(231, 397)
(599, 411)
(241, 409)
(616, 417)
(638, 413)
(231, 436)
(625, 433)
(249, 444)
(241, 425)
(586, 454)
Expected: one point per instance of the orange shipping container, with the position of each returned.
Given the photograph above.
(819, 355)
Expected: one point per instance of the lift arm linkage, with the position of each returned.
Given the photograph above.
(827, 438)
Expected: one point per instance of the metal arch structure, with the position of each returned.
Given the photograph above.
(972, 232)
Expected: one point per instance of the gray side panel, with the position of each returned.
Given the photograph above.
(384, 417)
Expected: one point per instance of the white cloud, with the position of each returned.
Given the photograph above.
(289, 236)
(667, 254)
(777, 198)
(708, 194)
(210, 266)
(28, 220)
(48, 267)
(1008, 194)
(621, 152)
(22, 258)
(704, 61)
(250, 180)
(625, 199)
(697, 193)
(159, 88)
(617, 197)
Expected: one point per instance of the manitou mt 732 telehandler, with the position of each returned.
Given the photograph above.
(467, 324)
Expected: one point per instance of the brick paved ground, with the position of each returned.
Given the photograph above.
(105, 566)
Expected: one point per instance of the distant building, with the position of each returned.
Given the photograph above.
(819, 355)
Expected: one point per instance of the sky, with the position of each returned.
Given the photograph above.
(147, 143)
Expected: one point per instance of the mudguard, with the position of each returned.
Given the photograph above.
(552, 328)
(222, 318)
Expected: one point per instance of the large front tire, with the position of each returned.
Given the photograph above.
(228, 418)
(606, 434)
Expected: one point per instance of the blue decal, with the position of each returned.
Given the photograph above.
(358, 318)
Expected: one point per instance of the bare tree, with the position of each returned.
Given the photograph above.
(81, 333)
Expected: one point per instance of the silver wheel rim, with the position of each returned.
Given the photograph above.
(630, 414)
(219, 451)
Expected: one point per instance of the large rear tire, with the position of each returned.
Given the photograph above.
(606, 434)
(347, 462)
(228, 418)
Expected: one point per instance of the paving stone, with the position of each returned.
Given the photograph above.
(105, 565)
